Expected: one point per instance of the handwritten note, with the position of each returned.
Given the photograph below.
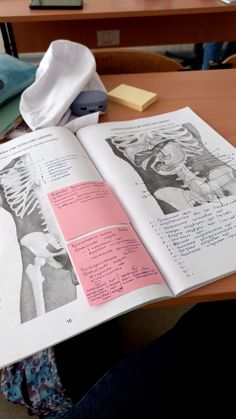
(111, 263)
(189, 232)
(84, 207)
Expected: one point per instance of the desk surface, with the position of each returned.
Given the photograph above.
(211, 96)
(19, 11)
(188, 21)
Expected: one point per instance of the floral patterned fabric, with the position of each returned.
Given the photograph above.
(35, 383)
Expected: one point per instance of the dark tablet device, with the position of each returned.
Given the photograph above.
(56, 4)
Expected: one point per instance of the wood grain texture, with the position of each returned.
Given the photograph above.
(141, 23)
(18, 10)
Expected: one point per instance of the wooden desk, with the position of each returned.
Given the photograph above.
(211, 94)
(143, 22)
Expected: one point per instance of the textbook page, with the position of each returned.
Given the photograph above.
(176, 179)
(61, 230)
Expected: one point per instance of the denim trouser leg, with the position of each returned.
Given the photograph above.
(186, 373)
(212, 52)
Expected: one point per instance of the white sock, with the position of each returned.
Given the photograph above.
(66, 69)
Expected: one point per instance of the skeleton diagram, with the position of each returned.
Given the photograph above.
(48, 279)
(176, 167)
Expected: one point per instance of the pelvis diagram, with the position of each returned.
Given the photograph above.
(48, 279)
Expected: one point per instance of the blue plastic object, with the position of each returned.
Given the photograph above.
(89, 102)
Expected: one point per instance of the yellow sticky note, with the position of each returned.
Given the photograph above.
(132, 97)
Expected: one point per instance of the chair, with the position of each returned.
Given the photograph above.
(231, 60)
(124, 61)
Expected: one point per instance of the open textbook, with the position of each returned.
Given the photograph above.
(121, 215)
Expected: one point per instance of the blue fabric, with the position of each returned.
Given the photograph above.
(15, 76)
(212, 52)
(35, 383)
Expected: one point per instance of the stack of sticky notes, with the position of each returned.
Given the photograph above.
(132, 97)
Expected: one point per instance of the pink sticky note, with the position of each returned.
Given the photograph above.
(84, 207)
(111, 263)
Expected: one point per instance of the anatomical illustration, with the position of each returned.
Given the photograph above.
(47, 279)
(176, 167)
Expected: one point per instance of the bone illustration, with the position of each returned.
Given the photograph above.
(176, 167)
(43, 253)
(24, 193)
(36, 278)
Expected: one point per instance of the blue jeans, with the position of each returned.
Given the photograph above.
(186, 373)
(212, 52)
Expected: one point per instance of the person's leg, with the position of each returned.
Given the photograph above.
(83, 359)
(185, 373)
(211, 52)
